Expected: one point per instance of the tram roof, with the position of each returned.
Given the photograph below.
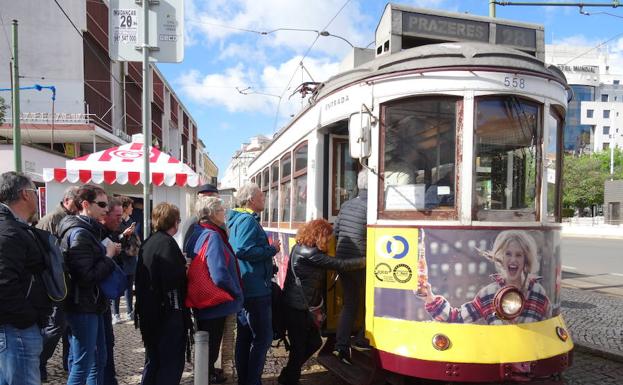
(443, 56)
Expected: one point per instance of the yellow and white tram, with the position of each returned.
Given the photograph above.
(460, 123)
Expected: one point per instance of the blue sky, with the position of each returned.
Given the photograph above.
(220, 57)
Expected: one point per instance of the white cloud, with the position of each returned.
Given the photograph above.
(262, 89)
(218, 21)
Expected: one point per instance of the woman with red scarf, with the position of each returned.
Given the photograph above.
(223, 271)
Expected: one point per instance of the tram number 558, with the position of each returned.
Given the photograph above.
(514, 82)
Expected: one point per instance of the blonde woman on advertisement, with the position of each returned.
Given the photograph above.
(514, 254)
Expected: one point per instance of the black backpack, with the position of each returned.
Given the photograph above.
(279, 318)
(54, 275)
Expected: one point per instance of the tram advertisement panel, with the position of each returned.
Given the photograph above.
(454, 275)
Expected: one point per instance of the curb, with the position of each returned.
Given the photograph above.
(612, 355)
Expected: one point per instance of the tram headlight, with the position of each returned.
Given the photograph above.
(508, 302)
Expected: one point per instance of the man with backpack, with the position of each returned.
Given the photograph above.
(56, 325)
(25, 303)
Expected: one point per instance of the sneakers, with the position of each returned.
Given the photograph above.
(361, 346)
(343, 356)
(116, 319)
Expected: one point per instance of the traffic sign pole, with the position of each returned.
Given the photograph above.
(146, 124)
(17, 138)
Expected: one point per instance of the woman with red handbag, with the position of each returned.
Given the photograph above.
(214, 289)
(302, 293)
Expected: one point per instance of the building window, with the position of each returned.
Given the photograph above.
(286, 188)
(299, 186)
(265, 183)
(606, 130)
(605, 146)
(604, 97)
(274, 193)
(615, 82)
(419, 157)
(606, 114)
(589, 113)
(506, 180)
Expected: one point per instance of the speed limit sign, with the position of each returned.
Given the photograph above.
(125, 27)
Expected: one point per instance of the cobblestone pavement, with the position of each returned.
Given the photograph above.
(595, 321)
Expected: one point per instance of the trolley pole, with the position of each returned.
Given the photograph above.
(146, 124)
(17, 139)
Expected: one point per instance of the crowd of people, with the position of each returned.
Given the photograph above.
(224, 268)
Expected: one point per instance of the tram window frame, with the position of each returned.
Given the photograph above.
(439, 212)
(296, 174)
(274, 189)
(285, 199)
(265, 190)
(528, 214)
(337, 141)
(558, 116)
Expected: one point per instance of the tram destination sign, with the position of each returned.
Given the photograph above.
(448, 28)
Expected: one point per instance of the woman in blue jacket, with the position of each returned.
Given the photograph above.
(223, 270)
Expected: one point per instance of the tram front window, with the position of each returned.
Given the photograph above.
(506, 153)
(419, 154)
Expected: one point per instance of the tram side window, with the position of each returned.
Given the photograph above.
(299, 184)
(552, 161)
(264, 185)
(420, 154)
(506, 157)
(286, 177)
(274, 192)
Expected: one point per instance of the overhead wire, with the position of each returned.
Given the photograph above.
(6, 36)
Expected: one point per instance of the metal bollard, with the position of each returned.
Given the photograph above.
(202, 374)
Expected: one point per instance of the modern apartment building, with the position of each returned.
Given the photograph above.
(98, 101)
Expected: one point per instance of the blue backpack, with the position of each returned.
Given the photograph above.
(115, 284)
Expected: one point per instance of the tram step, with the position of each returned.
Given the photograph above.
(363, 371)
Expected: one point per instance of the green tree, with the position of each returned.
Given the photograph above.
(583, 181)
(3, 108)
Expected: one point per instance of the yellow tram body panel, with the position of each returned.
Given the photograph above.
(481, 344)
(469, 342)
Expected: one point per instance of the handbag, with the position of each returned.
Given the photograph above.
(202, 291)
(316, 313)
(115, 284)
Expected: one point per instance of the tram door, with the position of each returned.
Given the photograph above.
(341, 178)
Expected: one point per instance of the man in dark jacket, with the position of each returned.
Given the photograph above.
(24, 303)
(192, 228)
(89, 263)
(57, 324)
(255, 259)
(350, 232)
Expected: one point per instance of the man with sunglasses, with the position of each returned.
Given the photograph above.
(24, 303)
(89, 263)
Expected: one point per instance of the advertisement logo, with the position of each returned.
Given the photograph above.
(392, 247)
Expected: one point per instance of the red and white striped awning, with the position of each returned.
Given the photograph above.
(122, 165)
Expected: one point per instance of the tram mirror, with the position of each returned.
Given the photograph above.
(359, 135)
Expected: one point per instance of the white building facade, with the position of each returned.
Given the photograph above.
(236, 173)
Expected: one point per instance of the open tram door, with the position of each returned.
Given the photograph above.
(340, 176)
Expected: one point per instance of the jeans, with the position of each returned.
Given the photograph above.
(164, 356)
(255, 334)
(52, 333)
(87, 349)
(214, 327)
(129, 296)
(19, 355)
(352, 284)
(304, 339)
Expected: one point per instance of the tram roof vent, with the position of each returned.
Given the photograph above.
(402, 27)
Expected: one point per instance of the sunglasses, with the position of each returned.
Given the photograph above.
(101, 204)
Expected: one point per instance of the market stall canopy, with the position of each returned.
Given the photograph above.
(124, 164)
